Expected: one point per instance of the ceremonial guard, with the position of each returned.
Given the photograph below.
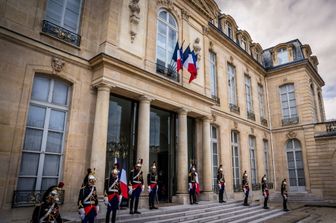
(112, 195)
(87, 200)
(48, 210)
(152, 182)
(221, 183)
(135, 187)
(193, 184)
(284, 194)
(265, 190)
(246, 188)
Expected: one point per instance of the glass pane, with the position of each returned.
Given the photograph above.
(26, 183)
(161, 41)
(56, 121)
(29, 164)
(171, 39)
(214, 148)
(54, 11)
(54, 142)
(297, 144)
(163, 15)
(161, 54)
(33, 139)
(290, 160)
(51, 165)
(162, 28)
(172, 20)
(60, 93)
(40, 89)
(48, 182)
(36, 116)
(302, 182)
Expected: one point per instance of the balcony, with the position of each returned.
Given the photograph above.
(60, 33)
(251, 115)
(325, 129)
(234, 108)
(169, 71)
(28, 198)
(290, 121)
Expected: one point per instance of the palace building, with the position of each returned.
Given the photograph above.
(85, 82)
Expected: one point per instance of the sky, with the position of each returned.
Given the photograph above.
(313, 22)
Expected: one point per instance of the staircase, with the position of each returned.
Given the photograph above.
(211, 212)
(296, 197)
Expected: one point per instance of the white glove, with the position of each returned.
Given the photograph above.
(219, 186)
(142, 188)
(157, 187)
(81, 213)
(130, 190)
(149, 189)
(120, 199)
(190, 186)
(106, 202)
(97, 208)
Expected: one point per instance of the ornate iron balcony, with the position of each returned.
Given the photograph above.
(234, 108)
(27, 198)
(60, 33)
(290, 121)
(169, 72)
(331, 126)
(251, 115)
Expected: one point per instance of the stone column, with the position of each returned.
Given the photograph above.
(143, 132)
(99, 139)
(182, 153)
(206, 156)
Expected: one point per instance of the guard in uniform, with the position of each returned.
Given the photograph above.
(48, 210)
(265, 190)
(221, 183)
(284, 194)
(112, 195)
(246, 188)
(87, 200)
(135, 186)
(193, 184)
(152, 182)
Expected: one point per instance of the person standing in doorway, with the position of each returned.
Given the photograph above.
(193, 184)
(152, 182)
(221, 184)
(135, 187)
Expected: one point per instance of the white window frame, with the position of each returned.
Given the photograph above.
(214, 163)
(261, 96)
(253, 159)
(248, 94)
(282, 56)
(63, 15)
(287, 102)
(213, 74)
(232, 84)
(235, 145)
(168, 58)
(42, 152)
(267, 161)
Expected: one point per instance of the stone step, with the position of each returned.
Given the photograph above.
(267, 214)
(179, 215)
(229, 216)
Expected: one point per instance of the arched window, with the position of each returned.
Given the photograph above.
(295, 165)
(229, 32)
(42, 152)
(166, 38)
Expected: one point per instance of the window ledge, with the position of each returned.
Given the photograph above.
(234, 108)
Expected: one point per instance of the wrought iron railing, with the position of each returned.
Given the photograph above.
(60, 33)
(251, 115)
(331, 126)
(234, 108)
(27, 198)
(290, 121)
(169, 71)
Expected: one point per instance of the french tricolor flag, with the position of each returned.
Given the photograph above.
(190, 62)
(123, 184)
(177, 57)
(198, 191)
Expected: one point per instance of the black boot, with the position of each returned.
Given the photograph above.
(131, 206)
(136, 206)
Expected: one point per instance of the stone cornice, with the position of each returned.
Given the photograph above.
(103, 59)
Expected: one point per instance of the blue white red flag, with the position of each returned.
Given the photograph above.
(177, 57)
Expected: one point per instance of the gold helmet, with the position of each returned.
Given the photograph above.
(153, 167)
(220, 169)
(139, 163)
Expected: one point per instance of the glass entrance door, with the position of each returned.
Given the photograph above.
(162, 150)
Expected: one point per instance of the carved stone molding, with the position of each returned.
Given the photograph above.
(134, 18)
(185, 14)
(235, 125)
(197, 48)
(168, 4)
(231, 59)
(57, 64)
(291, 135)
(252, 130)
(211, 46)
(285, 80)
(205, 30)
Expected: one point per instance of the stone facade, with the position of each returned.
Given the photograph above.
(116, 55)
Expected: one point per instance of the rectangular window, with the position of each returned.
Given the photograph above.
(232, 85)
(288, 102)
(213, 74)
(214, 149)
(235, 159)
(64, 13)
(267, 164)
(282, 56)
(42, 153)
(261, 101)
(253, 162)
(248, 94)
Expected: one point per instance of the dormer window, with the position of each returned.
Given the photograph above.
(229, 30)
(282, 56)
(243, 44)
